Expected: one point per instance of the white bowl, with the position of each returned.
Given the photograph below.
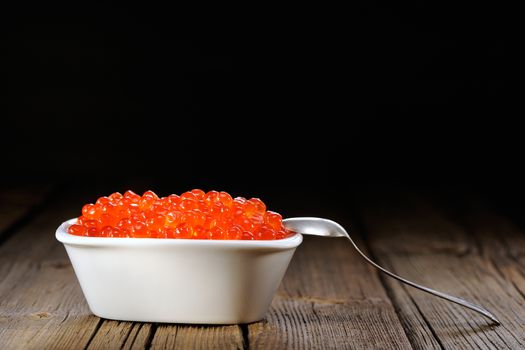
(178, 280)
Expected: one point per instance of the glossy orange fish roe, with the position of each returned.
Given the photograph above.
(192, 215)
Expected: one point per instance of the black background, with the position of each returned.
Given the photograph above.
(260, 101)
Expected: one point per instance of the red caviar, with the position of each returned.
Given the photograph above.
(192, 215)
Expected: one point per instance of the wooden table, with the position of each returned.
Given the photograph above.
(329, 299)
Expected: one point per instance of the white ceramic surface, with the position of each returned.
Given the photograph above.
(178, 280)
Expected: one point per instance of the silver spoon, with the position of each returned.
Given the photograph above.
(329, 228)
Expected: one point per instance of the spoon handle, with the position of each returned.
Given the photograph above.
(448, 297)
(328, 228)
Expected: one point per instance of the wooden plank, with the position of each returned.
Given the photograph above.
(329, 299)
(17, 201)
(197, 337)
(417, 241)
(498, 238)
(133, 335)
(121, 335)
(41, 305)
(502, 244)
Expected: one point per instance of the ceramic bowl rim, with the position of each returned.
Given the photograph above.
(63, 236)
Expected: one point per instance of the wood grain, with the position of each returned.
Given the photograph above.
(121, 335)
(419, 242)
(17, 202)
(41, 305)
(197, 337)
(329, 299)
(502, 245)
(136, 335)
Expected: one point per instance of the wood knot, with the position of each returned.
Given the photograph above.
(60, 265)
(41, 315)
